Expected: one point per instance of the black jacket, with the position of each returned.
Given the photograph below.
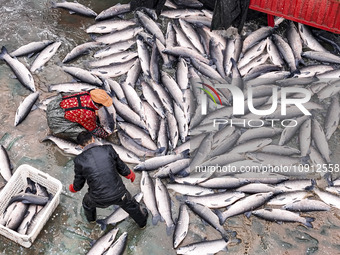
(100, 166)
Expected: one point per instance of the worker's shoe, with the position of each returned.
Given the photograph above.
(146, 213)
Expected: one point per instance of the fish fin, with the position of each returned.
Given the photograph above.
(279, 222)
(247, 214)
(160, 150)
(53, 4)
(181, 198)
(3, 52)
(102, 224)
(170, 229)
(220, 216)
(186, 153)
(309, 221)
(311, 187)
(156, 219)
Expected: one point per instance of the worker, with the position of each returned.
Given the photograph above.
(82, 108)
(100, 166)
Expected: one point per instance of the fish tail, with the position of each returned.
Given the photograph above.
(3, 52)
(220, 216)
(309, 221)
(53, 4)
(170, 229)
(311, 187)
(156, 219)
(160, 150)
(102, 224)
(185, 153)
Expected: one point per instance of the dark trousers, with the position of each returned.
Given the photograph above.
(126, 202)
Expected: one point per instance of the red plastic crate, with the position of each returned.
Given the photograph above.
(324, 14)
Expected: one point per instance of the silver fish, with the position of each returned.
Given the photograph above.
(130, 144)
(19, 69)
(103, 243)
(164, 204)
(283, 215)
(172, 168)
(294, 41)
(306, 205)
(118, 247)
(192, 35)
(162, 136)
(31, 212)
(144, 57)
(190, 190)
(157, 162)
(133, 74)
(149, 198)
(333, 117)
(113, 59)
(288, 197)
(71, 87)
(322, 56)
(182, 74)
(217, 200)
(30, 48)
(255, 37)
(274, 53)
(119, 36)
(320, 140)
(151, 26)
(286, 51)
(17, 215)
(263, 132)
(75, 7)
(66, 146)
(329, 198)
(245, 205)
(305, 136)
(153, 99)
(182, 39)
(113, 11)
(154, 58)
(185, 52)
(204, 247)
(224, 183)
(181, 13)
(172, 129)
(109, 26)
(182, 226)
(116, 88)
(107, 118)
(45, 55)
(208, 216)
(114, 70)
(133, 99)
(139, 135)
(80, 50)
(182, 123)
(152, 121)
(83, 75)
(114, 48)
(5, 164)
(25, 107)
(308, 39)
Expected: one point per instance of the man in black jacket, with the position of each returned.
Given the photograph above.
(100, 166)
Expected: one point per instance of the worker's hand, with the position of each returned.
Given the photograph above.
(71, 188)
(131, 176)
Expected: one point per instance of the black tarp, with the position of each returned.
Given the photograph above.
(157, 5)
(227, 13)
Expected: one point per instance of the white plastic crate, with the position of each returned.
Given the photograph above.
(17, 183)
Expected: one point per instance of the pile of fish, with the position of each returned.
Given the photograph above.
(23, 209)
(158, 75)
(106, 244)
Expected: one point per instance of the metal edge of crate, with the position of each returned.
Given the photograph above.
(27, 240)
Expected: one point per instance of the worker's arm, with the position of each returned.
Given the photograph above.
(79, 180)
(122, 168)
